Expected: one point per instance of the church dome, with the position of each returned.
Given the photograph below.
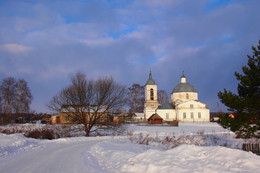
(184, 86)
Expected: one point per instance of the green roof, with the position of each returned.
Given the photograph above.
(166, 106)
(184, 87)
(150, 81)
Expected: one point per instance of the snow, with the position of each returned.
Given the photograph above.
(116, 154)
(183, 128)
(189, 158)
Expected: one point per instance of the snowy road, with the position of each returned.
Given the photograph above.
(19, 154)
(54, 157)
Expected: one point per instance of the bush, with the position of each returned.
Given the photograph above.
(41, 134)
(40, 131)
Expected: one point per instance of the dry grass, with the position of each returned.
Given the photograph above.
(44, 131)
(172, 141)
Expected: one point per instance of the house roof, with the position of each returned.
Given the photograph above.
(85, 108)
(139, 114)
(166, 106)
(184, 87)
(154, 116)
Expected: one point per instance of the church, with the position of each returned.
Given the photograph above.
(184, 106)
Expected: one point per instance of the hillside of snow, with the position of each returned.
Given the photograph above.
(117, 154)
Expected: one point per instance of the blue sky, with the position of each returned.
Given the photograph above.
(45, 41)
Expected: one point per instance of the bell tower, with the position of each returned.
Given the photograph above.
(151, 101)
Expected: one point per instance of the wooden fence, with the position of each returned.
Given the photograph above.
(253, 147)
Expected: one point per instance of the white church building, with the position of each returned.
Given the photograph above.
(185, 106)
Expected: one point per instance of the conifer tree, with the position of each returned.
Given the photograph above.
(246, 103)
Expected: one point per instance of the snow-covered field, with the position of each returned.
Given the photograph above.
(118, 154)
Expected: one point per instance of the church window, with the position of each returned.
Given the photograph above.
(191, 106)
(187, 96)
(192, 115)
(151, 94)
(167, 115)
(184, 115)
(199, 115)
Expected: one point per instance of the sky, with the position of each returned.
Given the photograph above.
(46, 41)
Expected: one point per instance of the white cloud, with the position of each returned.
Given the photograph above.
(98, 42)
(15, 48)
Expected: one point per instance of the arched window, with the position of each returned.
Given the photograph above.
(151, 94)
(187, 96)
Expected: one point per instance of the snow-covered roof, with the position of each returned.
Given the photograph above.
(75, 108)
(139, 114)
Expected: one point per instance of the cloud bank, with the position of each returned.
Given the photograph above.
(44, 42)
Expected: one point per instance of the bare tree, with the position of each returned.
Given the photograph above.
(23, 97)
(136, 98)
(7, 91)
(15, 96)
(1, 102)
(87, 101)
(163, 97)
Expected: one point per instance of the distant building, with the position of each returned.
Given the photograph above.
(185, 106)
(138, 116)
(69, 113)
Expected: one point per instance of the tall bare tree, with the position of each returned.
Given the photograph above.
(1, 104)
(23, 97)
(163, 97)
(7, 91)
(136, 98)
(15, 96)
(87, 101)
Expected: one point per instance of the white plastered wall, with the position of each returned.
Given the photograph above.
(199, 111)
(150, 105)
(184, 96)
(163, 114)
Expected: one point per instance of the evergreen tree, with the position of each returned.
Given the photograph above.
(245, 104)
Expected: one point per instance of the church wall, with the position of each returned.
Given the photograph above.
(184, 96)
(193, 111)
(150, 105)
(167, 114)
(191, 104)
(193, 115)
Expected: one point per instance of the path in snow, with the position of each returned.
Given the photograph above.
(54, 157)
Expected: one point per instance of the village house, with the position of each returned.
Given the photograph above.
(68, 113)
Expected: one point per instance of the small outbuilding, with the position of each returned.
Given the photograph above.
(155, 119)
(232, 115)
